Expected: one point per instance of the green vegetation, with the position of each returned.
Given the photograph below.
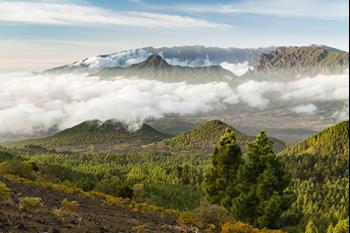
(69, 206)
(94, 137)
(222, 177)
(206, 136)
(5, 192)
(316, 170)
(319, 167)
(30, 204)
(252, 190)
(239, 227)
(333, 140)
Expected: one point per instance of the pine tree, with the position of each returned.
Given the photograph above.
(311, 227)
(342, 226)
(261, 182)
(222, 175)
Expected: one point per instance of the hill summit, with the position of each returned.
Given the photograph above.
(97, 136)
(207, 135)
(331, 141)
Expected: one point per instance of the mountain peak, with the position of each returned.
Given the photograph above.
(155, 60)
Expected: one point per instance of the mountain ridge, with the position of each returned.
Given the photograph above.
(156, 68)
(287, 63)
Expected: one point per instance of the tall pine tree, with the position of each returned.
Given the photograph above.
(222, 175)
(261, 184)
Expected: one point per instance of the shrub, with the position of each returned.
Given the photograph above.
(69, 206)
(212, 214)
(30, 204)
(125, 191)
(139, 192)
(20, 168)
(189, 219)
(5, 192)
(239, 227)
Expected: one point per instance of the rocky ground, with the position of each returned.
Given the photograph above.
(92, 215)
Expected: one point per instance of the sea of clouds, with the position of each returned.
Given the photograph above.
(31, 103)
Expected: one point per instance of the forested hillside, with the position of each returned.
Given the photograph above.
(333, 140)
(206, 136)
(319, 168)
(96, 137)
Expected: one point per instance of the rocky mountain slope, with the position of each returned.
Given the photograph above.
(287, 63)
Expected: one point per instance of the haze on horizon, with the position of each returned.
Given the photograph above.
(37, 35)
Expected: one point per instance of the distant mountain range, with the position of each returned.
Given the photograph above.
(156, 68)
(201, 64)
(192, 56)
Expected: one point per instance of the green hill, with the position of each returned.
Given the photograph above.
(95, 136)
(156, 68)
(319, 168)
(333, 140)
(206, 136)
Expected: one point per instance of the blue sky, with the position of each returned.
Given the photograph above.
(39, 34)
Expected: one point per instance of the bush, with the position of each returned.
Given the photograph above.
(239, 227)
(5, 192)
(125, 191)
(213, 214)
(189, 219)
(69, 206)
(30, 204)
(139, 192)
(20, 168)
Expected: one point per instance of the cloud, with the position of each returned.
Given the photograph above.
(35, 103)
(238, 68)
(324, 9)
(70, 13)
(306, 108)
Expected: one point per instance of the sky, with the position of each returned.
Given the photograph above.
(40, 34)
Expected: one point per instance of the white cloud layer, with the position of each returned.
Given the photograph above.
(238, 69)
(66, 13)
(306, 108)
(32, 103)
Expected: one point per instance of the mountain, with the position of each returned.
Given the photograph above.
(192, 56)
(206, 136)
(156, 68)
(95, 136)
(331, 141)
(287, 63)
